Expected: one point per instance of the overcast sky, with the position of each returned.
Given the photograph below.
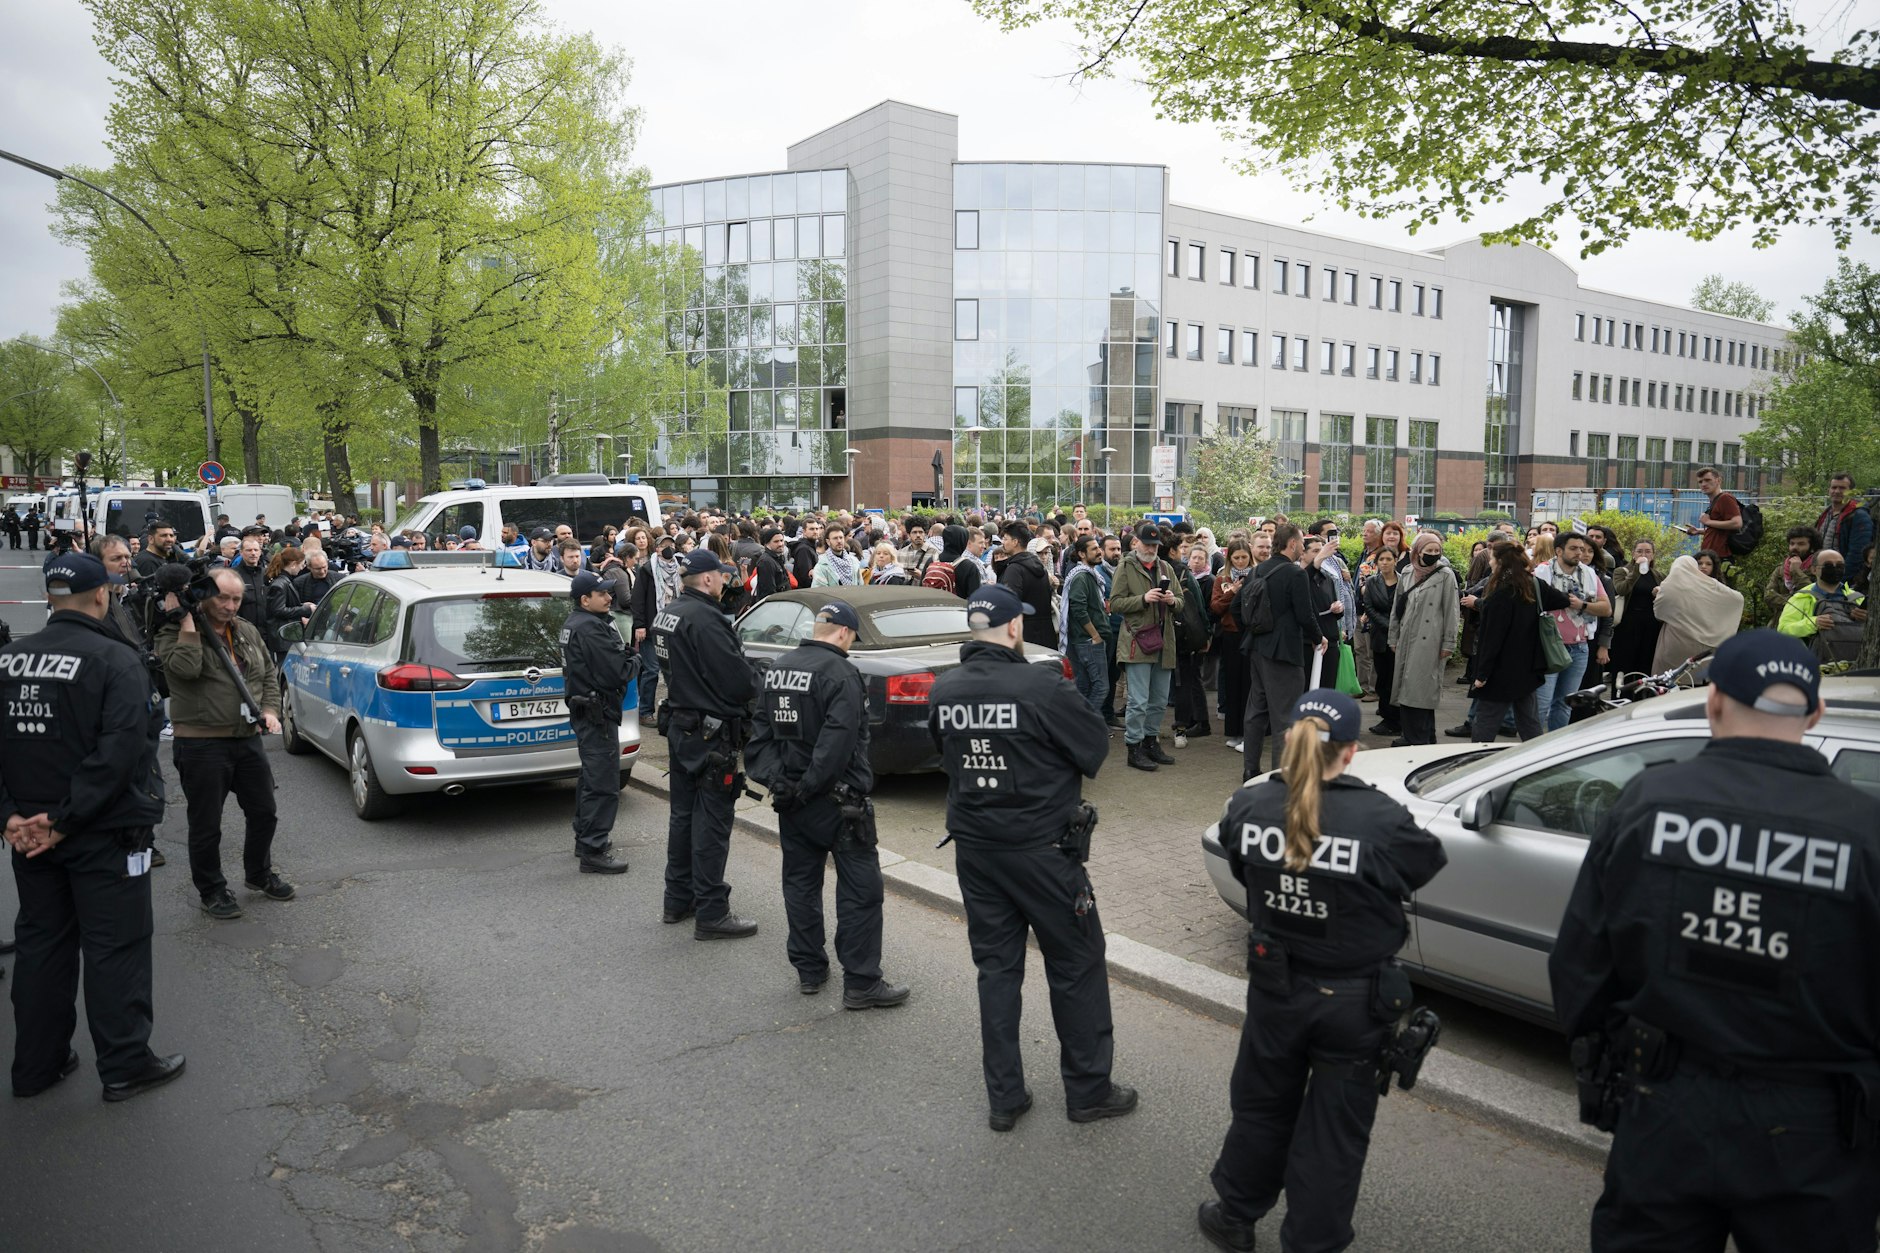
(725, 87)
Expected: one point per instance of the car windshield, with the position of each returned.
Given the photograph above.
(503, 631)
(127, 516)
(1448, 770)
(920, 622)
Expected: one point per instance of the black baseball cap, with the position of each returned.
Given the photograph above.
(586, 581)
(1332, 707)
(993, 605)
(1748, 664)
(71, 573)
(839, 613)
(541, 532)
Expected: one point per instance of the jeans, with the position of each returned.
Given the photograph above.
(1148, 700)
(649, 680)
(1555, 688)
(1090, 671)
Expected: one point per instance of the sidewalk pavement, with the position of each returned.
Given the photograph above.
(1170, 933)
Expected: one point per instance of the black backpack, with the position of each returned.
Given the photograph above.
(1743, 542)
(1252, 609)
(1191, 624)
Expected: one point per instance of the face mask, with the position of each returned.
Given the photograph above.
(1831, 572)
(1428, 558)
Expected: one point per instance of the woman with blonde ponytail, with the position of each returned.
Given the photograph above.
(1327, 861)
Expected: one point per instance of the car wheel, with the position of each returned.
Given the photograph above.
(626, 777)
(370, 801)
(291, 738)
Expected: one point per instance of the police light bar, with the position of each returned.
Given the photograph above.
(446, 559)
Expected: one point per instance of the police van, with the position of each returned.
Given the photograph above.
(128, 511)
(437, 672)
(585, 502)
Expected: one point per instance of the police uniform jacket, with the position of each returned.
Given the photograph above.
(81, 730)
(1732, 901)
(812, 723)
(594, 659)
(1343, 914)
(1014, 739)
(699, 658)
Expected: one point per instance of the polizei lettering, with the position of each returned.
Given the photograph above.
(1812, 861)
(61, 666)
(776, 680)
(987, 716)
(1335, 853)
(666, 620)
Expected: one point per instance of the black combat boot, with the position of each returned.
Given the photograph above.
(1152, 749)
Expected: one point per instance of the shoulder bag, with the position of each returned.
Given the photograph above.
(1554, 656)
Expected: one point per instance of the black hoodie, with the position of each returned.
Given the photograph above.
(1025, 574)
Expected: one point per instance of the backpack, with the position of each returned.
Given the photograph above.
(939, 574)
(1743, 542)
(1191, 624)
(1252, 609)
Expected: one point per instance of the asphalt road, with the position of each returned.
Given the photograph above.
(452, 1040)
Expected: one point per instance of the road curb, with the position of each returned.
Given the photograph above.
(1458, 1084)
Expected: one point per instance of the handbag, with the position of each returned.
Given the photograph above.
(1149, 639)
(1347, 681)
(1554, 656)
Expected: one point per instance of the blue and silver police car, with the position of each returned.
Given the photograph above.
(437, 672)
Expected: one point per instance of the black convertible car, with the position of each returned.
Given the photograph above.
(909, 635)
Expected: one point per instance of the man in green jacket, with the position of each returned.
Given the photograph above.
(1827, 615)
(1084, 635)
(1148, 594)
(218, 746)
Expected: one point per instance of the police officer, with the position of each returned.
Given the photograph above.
(1327, 861)
(80, 792)
(1720, 943)
(709, 691)
(810, 748)
(1014, 739)
(595, 671)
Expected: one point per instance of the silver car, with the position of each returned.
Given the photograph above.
(1515, 821)
(437, 680)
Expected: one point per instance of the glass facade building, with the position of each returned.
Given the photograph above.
(1057, 287)
(756, 286)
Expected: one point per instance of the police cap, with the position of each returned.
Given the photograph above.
(71, 573)
(1748, 664)
(1335, 709)
(993, 605)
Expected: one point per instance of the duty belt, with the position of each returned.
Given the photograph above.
(1725, 1068)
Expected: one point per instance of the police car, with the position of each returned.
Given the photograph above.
(1516, 821)
(437, 672)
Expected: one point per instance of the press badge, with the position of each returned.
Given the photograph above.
(136, 864)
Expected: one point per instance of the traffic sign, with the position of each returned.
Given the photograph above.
(211, 472)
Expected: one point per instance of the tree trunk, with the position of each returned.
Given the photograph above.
(334, 428)
(1869, 658)
(251, 441)
(430, 456)
(554, 432)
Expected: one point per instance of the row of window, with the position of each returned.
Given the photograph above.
(1334, 357)
(1235, 267)
(1658, 395)
(1181, 422)
(1685, 457)
(1689, 344)
(774, 239)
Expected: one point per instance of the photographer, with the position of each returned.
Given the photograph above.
(218, 747)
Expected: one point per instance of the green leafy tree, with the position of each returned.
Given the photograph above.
(1716, 294)
(1233, 477)
(1842, 324)
(407, 194)
(1820, 419)
(40, 418)
(1680, 115)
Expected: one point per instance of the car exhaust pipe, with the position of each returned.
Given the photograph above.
(454, 789)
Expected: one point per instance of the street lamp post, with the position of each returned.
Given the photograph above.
(58, 175)
(850, 454)
(1106, 452)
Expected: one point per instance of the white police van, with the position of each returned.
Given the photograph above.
(437, 672)
(585, 502)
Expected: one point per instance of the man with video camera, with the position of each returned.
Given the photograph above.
(224, 694)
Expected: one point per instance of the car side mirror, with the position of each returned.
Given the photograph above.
(293, 632)
(1477, 809)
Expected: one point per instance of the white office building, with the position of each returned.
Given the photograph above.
(884, 310)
